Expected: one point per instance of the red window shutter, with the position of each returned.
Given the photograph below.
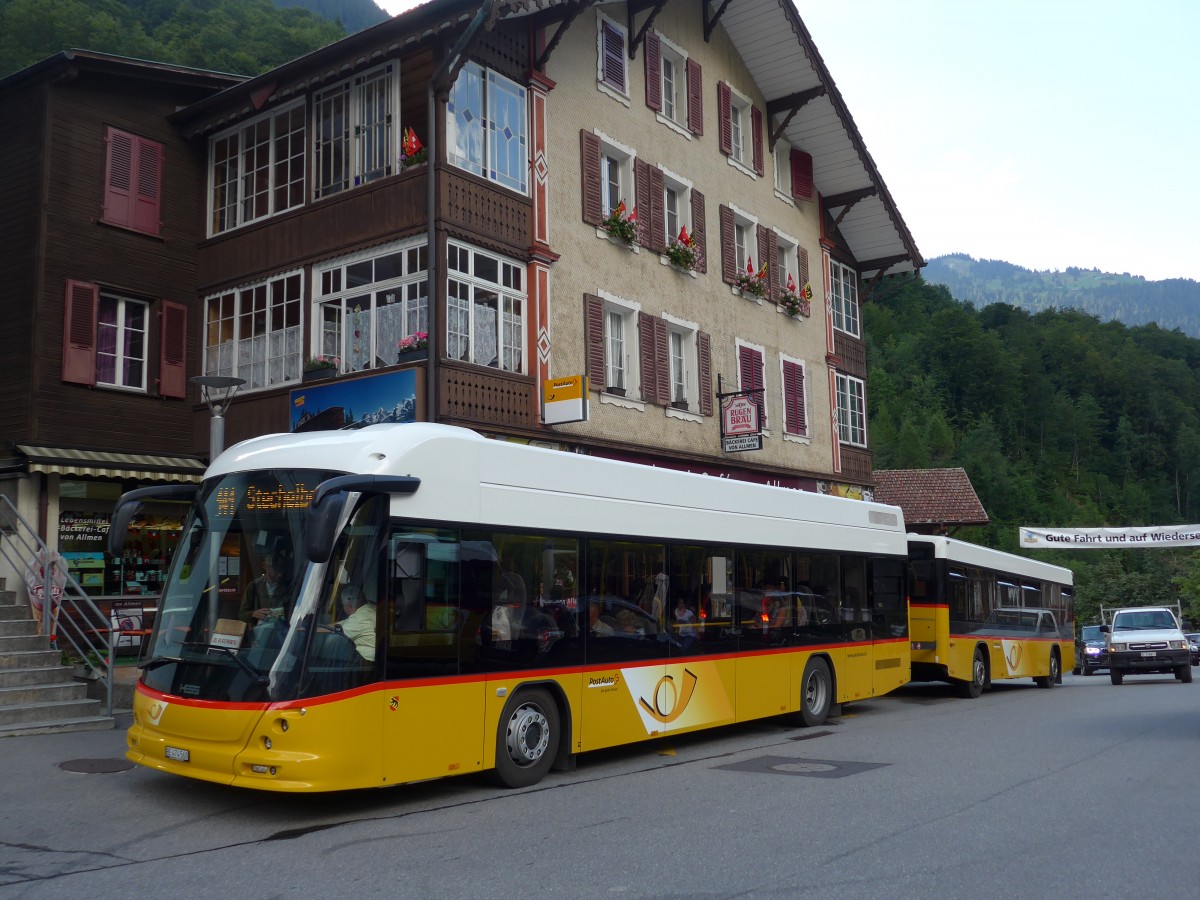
(662, 363)
(756, 125)
(728, 249)
(614, 56)
(593, 328)
(654, 98)
(79, 332)
(148, 187)
(646, 357)
(589, 168)
(658, 214)
(695, 91)
(725, 118)
(641, 187)
(773, 273)
(118, 178)
(802, 175)
(750, 370)
(793, 398)
(172, 350)
(766, 243)
(802, 262)
(698, 228)
(704, 351)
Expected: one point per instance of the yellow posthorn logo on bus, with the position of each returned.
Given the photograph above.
(668, 701)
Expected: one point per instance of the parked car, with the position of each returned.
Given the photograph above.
(1091, 651)
(1194, 647)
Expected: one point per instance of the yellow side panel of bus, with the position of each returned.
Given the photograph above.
(893, 665)
(432, 730)
(767, 684)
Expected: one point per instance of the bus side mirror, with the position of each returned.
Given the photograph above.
(329, 499)
(131, 503)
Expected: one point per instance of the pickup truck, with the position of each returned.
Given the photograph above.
(1145, 639)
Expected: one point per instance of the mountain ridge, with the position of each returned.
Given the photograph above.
(1172, 303)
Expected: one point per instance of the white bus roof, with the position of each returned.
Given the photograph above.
(987, 558)
(467, 479)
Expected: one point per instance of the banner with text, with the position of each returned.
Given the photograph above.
(1110, 538)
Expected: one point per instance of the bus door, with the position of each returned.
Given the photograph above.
(433, 718)
(889, 625)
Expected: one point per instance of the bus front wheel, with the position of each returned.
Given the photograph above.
(816, 692)
(527, 739)
(973, 689)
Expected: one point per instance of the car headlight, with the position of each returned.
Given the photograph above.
(1094, 651)
(1177, 645)
(1117, 648)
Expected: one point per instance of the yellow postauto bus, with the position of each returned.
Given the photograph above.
(980, 615)
(373, 607)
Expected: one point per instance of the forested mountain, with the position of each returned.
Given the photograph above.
(354, 15)
(1173, 303)
(1060, 419)
(240, 36)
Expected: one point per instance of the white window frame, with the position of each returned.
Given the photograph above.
(232, 185)
(843, 298)
(626, 311)
(123, 326)
(683, 213)
(616, 159)
(390, 283)
(782, 162)
(475, 142)
(786, 250)
(357, 159)
(677, 116)
(851, 410)
(741, 136)
(746, 227)
(620, 94)
(466, 293)
(265, 358)
(683, 357)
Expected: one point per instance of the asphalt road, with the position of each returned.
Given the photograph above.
(1082, 791)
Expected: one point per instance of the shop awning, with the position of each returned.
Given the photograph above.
(102, 463)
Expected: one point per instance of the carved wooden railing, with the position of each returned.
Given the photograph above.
(856, 465)
(480, 396)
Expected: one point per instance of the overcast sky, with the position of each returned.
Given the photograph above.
(1046, 133)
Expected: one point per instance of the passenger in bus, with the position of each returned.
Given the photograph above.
(685, 627)
(509, 608)
(359, 621)
(267, 596)
(596, 625)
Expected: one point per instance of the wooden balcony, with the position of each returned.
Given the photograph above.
(492, 217)
(856, 465)
(476, 396)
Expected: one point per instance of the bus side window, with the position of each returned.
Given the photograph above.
(407, 581)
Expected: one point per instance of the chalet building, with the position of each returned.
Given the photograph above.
(565, 149)
(103, 211)
(644, 206)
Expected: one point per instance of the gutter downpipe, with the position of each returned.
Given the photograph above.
(439, 87)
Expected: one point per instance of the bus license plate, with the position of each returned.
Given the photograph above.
(178, 755)
(1148, 653)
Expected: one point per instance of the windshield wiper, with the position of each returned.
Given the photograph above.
(258, 677)
(150, 664)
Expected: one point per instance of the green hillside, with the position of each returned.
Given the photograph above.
(1131, 299)
(240, 36)
(1060, 419)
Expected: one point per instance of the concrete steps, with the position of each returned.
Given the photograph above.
(39, 695)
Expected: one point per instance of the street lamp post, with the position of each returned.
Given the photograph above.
(217, 393)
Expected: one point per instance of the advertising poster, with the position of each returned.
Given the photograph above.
(329, 405)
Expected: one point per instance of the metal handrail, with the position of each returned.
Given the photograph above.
(24, 550)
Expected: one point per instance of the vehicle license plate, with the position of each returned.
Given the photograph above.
(183, 755)
(1148, 653)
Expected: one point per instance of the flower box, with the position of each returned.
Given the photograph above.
(411, 356)
(322, 374)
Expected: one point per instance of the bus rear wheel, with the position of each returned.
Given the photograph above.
(816, 692)
(973, 689)
(1052, 677)
(527, 738)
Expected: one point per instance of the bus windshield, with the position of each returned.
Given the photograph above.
(232, 589)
